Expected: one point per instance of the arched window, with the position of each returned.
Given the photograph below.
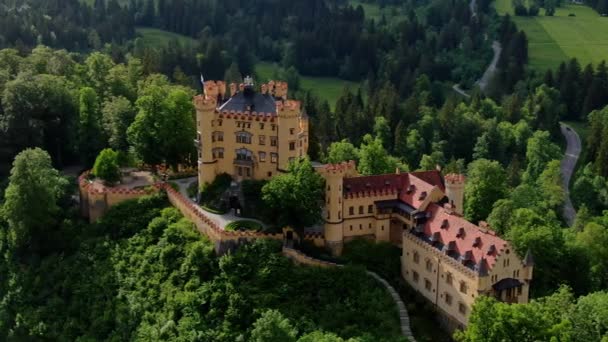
(416, 257)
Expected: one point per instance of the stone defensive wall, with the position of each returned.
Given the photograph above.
(303, 259)
(223, 240)
(96, 198)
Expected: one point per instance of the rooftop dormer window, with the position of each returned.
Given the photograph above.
(477, 242)
(445, 224)
(491, 249)
(410, 188)
(422, 196)
(461, 233)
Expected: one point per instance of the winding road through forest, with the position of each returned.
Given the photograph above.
(573, 151)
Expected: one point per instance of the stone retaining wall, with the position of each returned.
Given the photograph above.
(95, 201)
(303, 259)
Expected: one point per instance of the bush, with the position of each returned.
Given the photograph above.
(533, 11)
(521, 10)
(192, 189)
(253, 207)
(106, 166)
(211, 194)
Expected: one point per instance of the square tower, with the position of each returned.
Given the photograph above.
(252, 134)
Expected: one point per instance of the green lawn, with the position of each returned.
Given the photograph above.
(326, 88)
(157, 38)
(559, 38)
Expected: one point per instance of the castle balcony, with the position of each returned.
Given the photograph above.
(197, 143)
(243, 162)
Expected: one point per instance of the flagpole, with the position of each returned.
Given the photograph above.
(203, 84)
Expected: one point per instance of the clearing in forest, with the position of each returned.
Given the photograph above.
(555, 39)
(326, 88)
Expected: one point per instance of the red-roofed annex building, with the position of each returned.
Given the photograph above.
(446, 258)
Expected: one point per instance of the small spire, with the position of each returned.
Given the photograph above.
(203, 84)
(529, 258)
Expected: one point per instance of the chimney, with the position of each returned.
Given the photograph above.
(454, 190)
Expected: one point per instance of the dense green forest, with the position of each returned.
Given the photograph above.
(76, 79)
(144, 273)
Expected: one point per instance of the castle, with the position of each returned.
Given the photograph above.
(246, 133)
(450, 261)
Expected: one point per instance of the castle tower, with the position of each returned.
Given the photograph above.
(206, 105)
(454, 190)
(334, 210)
(288, 113)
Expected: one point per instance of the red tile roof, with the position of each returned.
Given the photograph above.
(415, 191)
(432, 177)
(475, 239)
(443, 226)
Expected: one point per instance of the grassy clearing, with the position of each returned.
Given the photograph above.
(326, 88)
(159, 38)
(561, 37)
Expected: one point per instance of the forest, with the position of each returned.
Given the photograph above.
(144, 273)
(75, 79)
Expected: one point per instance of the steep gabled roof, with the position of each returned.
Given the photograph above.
(465, 237)
(432, 177)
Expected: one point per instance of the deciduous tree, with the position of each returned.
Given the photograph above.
(31, 200)
(295, 198)
(486, 183)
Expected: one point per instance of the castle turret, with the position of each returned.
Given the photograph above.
(454, 190)
(333, 214)
(205, 108)
(289, 129)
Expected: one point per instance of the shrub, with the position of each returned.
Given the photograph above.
(106, 166)
(211, 193)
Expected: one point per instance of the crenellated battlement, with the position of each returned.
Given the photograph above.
(371, 193)
(455, 179)
(202, 103)
(341, 169)
(251, 116)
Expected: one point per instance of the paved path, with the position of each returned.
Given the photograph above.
(484, 81)
(404, 318)
(573, 151)
(457, 89)
(221, 219)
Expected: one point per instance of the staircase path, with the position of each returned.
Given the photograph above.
(404, 318)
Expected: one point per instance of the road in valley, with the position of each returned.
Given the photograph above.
(573, 151)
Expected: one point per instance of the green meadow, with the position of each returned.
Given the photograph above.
(159, 38)
(326, 88)
(555, 39)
